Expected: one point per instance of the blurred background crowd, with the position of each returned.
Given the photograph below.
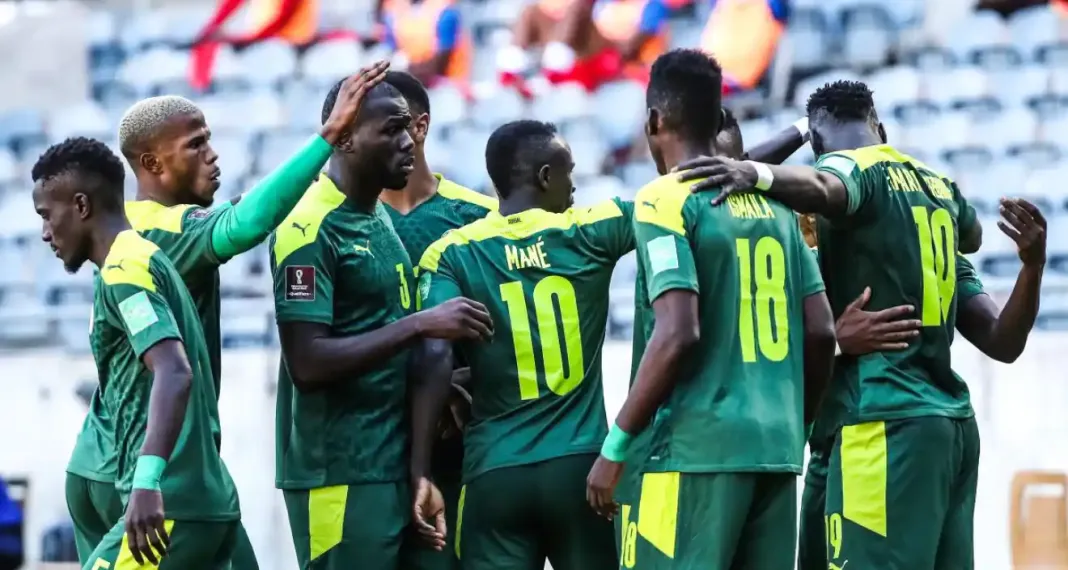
(978, 90)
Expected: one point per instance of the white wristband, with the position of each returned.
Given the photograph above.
(802, 127)
(764, 175)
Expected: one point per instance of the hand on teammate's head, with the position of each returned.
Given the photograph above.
(1024, 223)
(350, 98)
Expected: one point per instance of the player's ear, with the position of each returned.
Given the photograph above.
(344, 142)
(151, 163)
(82, 206)
(420, 127)
(543, 177)
(882, 133)
(652, 122)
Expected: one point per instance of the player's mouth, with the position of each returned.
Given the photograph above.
(214, 178)
(407, 165)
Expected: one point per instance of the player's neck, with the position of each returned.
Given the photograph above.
(149, 189)
(422, 185)
(519, 202)
(677, 151)
(104, 234)
(363, 195)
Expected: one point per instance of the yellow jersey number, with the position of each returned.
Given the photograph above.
(762, 282)
(937, 263)
(405, 292)
(557, 379)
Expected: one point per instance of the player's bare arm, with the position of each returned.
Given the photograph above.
(801, 188)
(863, 332)
(171, 383)
(431, 382)
(819, 351)
(779, 147)
(318, 359)
(1002, 335)
(676, 331)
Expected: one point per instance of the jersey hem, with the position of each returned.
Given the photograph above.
(224, 517)
(303, 319)
(307, 485)
(714, 468)
(914, 413)
(468, 477)
(92, 475)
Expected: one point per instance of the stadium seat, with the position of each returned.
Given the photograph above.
(946, 87)
(639, 173)
(144, 71)
(894, 86)
(21, 126)
(448, 106)
(327, 62)
(84, 119)
(272, 61)
(868, 35)
(146, 29)
(562, 103)
(977, 31)
(588, 147)
(276, 148)
(1038, 521)
(597, 189)
(303, 102)
(468, 142)
(495, 108)
(1016, 87)
(1032, 28)
(619, 109)
(806, 38)
(808, 85)
(9, 168)
(948, 130)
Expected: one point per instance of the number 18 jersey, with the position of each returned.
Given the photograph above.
(737, 405)
(544, 278)
(898, 236)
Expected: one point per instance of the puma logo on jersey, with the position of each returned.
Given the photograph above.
(833, 566)
(116, 265)
(303, 229)
(650, 205)
(364, 248)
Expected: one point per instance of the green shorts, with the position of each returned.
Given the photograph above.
(194, 544)
(334, 526)
(696, 521)
(416, 556)
(901, 494)
(514, 518)
(94, 508)
(812, 541)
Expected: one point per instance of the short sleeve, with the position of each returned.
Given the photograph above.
(846, 169)
(613, 227)
(437, 280)
(304, 282)
(143, 313)
(811, 279)
(184, 233)
(448, 28)
(664, 253)
(968, 283)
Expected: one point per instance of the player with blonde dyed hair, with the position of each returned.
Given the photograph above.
(166, 141)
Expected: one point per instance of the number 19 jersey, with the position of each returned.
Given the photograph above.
(898, 236)
(738, 404)
(544, 278)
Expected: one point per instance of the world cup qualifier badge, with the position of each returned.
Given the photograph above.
(300, 283)
(424, 286)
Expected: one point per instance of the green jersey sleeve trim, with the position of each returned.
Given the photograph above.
(302, 225)
(127, 276)
(847, 170)
(128, 262)
(968, 283)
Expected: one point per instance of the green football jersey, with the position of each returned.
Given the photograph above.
(183, 233)
(544, 278)
(742, 387)
(338, 266)
(835, 403)
(140, 300)
(451, 207)
(898, 236)
(629, 488)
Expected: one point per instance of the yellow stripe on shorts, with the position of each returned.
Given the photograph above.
(658, 511)
(126, 561)
(460, 519)
(326, 518)
(864, 467)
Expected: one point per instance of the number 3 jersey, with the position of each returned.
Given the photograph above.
(544, 278)
(738, 402)
(898, 236)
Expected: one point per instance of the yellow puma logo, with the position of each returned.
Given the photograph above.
(833, 566)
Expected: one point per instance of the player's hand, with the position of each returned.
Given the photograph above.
(456, 319)
(601, 486)
(428, 513)
(720, 173)
(1025, 224)
(860, 332)
(145, 532)
(353, 91)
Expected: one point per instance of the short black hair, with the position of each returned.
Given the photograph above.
(516, 147)
(86, 158)
(331, 96)
(686, 86)
(842, 100)
(412, 89)
(730, 122)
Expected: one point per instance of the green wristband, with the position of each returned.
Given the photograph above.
(148, 471)
(615, 445)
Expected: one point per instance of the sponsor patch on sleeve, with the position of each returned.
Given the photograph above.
(199, 213)
(662, 254)
(137, 312)
(839, 164)
(424, 285)
(300, 283)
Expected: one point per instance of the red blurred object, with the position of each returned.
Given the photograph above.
(591, 72)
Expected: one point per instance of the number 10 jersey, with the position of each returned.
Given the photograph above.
(898, 235)
(544, 277)
(737, 404)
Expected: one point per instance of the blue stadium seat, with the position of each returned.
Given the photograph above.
(276, 148)
(868, 35)
(497, 107)
(562, 103)
(948, 131)
(807, 86)
(893, 86)
(84, 119)
(977, 31)
(807, 38)
(1016, 87)
(469, 144)
(588, 147)
(448, 105)
(271, 62)
(21, 126)
(9, 168)
(183, 25)
(143, 30)
(597, 189)
(639, 173)
(327, 62)
(619, 109)
(1015, 126)
(1032, 28)
(303, 103)
(235, 157)
(947, 87)
(144, 71)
